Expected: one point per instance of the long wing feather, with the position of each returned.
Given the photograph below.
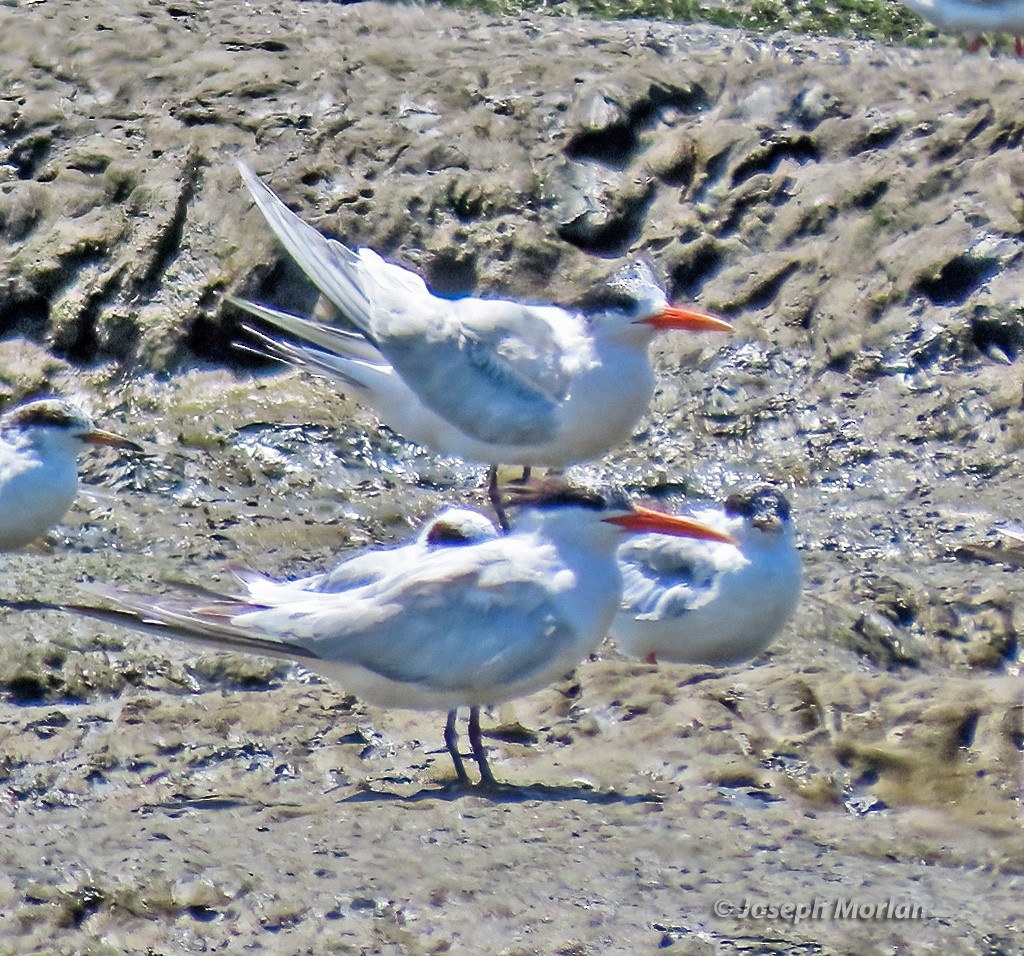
(332, 266)
(209, 625)
(363, 376)
(342, 342)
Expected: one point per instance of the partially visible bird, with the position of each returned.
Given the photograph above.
(39, 446)
(450, 527)
(974, 17)
(460, 626)
(488, 380)
(698, 602)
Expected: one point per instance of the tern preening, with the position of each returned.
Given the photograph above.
(469, 626)
(39, 446)
(698, 602)
(974, 17)
(488, 380)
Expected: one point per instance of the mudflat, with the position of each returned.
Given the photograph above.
(855, 208)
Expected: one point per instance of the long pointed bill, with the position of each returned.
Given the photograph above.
(691, 320)
(645, 521)
(99, 436)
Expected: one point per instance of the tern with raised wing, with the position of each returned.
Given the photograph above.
(39, 446)
(699, 602)
(468, 626)
(489, 380)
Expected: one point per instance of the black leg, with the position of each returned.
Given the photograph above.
(495, 498)
(451, 741)
(479, 750)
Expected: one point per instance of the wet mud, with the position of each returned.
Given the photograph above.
(855, 208)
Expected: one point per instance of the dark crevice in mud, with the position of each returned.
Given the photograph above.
(218, 341)
(805, 318)
(452, 275)
(957, 280)
(943, 151)
(765, 292)
(202, 913)
(29, 317)
(870, 195)
(963, 733)
(691, 99)
(758, 193)
(1000, 331)
(978, 128)
(216, 335)
(29, 155)
(1013, 724)
(688, 277)
(169, 241)
(767, 159)
(618, 143)
(240, 46)
(613, 146)
(84, 902)
(1008, 138)
(881, 137)
(680, 173)
(714, 170)
(81, 344)
(27, 690)
(78, 341)
(841, 362)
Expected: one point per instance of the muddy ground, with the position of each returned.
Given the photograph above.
(855, 208)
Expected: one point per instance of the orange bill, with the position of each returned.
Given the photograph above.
(691, 320)
(99, 436)
(645, 521)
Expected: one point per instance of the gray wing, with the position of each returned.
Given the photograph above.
(467, 635)
(326, 338)
(486, 626)
(364, 568)
(487, 388)
(666, 577)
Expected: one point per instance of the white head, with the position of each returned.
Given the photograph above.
(52, 423)
(631, 302)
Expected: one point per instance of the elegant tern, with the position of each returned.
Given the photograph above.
(458, 626)
(39, 446)
(451, 527)
(488, 380)
(699, 602)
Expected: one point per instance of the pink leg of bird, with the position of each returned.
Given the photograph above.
(650, 658)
